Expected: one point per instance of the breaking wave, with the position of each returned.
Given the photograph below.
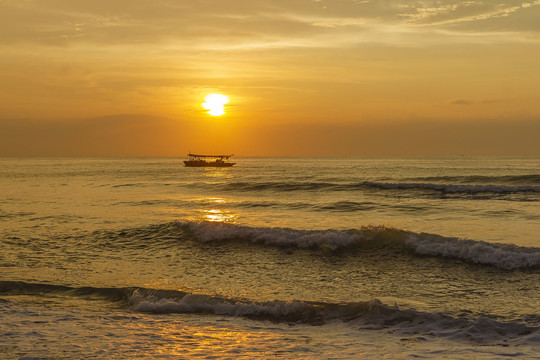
(498, 255)
(365, 238)
(366, 315)
(372, 314)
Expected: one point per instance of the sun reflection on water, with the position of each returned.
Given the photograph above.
(224, 173)
(214, 213)
(216, 200)
(204, 340)
(217, 215)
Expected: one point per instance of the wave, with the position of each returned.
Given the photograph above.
(372, 315)
(531, 179)
(365, 238)
(24, 288)
(290, 186)
(454, 188)
(12, 215)
(502, 256)
(139, 184)
(339, 206)
(366, 314)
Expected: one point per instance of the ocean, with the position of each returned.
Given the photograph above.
(289, 258)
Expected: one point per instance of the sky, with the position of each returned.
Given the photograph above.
(304, 77)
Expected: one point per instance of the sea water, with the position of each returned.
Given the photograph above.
(311, 258)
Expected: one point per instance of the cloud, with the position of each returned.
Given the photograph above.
(471, 102)
(243, 24)
(339, 22)
(461, 102)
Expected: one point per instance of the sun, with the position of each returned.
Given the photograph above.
(215, 104)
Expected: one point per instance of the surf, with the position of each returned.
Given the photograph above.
(371, 314)
(503, 256)
(366, 238)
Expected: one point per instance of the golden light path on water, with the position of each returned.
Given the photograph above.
(217, 215)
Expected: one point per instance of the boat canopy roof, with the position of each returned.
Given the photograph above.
(211, 156)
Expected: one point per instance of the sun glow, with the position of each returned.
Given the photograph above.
(215, 104)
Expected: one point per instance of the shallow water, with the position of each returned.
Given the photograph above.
(275, 257)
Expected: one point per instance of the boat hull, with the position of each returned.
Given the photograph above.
(199, 163)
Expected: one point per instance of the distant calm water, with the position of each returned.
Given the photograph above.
(274, 258)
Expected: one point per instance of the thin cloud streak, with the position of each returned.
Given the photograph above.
(258, 25)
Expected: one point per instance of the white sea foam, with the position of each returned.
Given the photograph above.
(204, 304)
(498, 255)
(501, 256)
(329, 239)
(369, 315)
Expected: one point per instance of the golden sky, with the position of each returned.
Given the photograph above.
(304, 77)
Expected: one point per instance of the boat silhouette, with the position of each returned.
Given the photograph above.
(198, 160)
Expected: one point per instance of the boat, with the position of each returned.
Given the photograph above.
(198, 160)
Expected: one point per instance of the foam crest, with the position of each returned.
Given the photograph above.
(502, 256)
(279, 311)
(368, 315)
(455, 188)
(499, 255)
(328, 239)
(364, 314)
